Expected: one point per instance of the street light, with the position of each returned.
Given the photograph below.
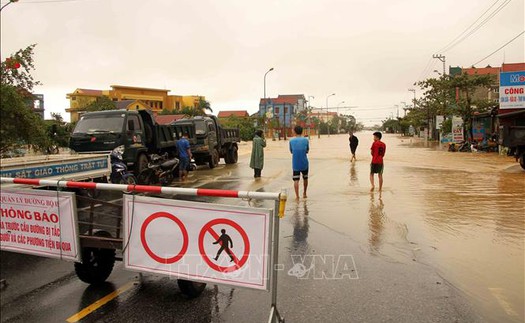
(265, 98)
(10, 1)
(271, 69)
(327, 113)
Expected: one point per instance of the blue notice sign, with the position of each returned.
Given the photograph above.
(57, 169)
(512, 78)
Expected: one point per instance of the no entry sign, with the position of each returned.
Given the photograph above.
(198, 241)
(38, 222)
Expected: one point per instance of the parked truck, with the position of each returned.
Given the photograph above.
(512, 134)
(209, 141)
(134, 133)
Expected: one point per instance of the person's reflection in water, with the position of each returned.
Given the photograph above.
(300, 227)
(353, 176)
(376, 221)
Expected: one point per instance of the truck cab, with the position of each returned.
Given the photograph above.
(134, 133)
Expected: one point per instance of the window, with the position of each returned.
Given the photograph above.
(135, 121)
(73, 98)
(276, 110)
(285, 110)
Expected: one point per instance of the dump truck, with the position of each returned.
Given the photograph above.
(135, 134)
(209, 141)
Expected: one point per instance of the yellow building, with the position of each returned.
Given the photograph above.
(154, 99)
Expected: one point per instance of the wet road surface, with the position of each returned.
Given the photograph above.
(443, 242)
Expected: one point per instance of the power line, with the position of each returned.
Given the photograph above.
(464, 31)
(487, 19)
(47, 1)
(497, 50)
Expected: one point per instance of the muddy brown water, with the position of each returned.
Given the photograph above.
(461, 213)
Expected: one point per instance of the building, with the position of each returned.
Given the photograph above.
(234, 113)
(168, 118)
(481, 93)
(279, 112)
(38, 105)
(155, 100)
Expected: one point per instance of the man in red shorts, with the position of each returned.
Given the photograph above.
(376, 167)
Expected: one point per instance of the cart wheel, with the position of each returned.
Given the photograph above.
(97, 263)
(191, 289)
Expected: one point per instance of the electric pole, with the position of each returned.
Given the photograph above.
(442, 59)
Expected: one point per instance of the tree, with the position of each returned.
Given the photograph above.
(20, 125)
(16, 69)
(246, 126)
(204, 105)
(102, 103)
(439, 98)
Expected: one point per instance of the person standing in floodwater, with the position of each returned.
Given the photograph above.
(226, 243)
(353, 144)
(257, 157)
(299, 147)
(378, 151)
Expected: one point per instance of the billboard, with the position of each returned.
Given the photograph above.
(512, 90)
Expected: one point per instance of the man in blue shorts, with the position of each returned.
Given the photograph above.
(299, 147)
(183, 146)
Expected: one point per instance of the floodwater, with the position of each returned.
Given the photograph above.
(463, 214)
(443, 242)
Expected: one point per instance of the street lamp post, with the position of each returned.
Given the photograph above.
(265, 99)
(327, 113)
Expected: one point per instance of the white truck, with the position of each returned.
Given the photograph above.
(70, 167)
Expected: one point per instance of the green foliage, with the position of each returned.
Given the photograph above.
(20, 125)
(58, 130)
(20, 77)
(102, 103)
(246, 126)
(439, 98)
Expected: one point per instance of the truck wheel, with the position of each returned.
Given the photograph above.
(232, 156)
(97, 263)
(141, 164)
(522, 161)
(191, 289)
(214, 159)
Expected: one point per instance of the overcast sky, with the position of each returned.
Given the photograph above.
(368, 52)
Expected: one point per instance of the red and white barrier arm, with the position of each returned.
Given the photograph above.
(145, 188)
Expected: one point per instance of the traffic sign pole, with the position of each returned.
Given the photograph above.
(279, 198)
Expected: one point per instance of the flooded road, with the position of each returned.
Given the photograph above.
(461, 213)
(443, 241)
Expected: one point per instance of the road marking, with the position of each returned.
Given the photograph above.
(101, 302)
(498, 294)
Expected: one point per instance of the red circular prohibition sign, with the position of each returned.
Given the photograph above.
(238, 262)
(182, 229)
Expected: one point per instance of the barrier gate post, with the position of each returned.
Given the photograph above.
(279, 208)
(275, 316)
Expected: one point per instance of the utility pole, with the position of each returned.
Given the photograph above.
(327, 113)
(442, 59)
(308, 113)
